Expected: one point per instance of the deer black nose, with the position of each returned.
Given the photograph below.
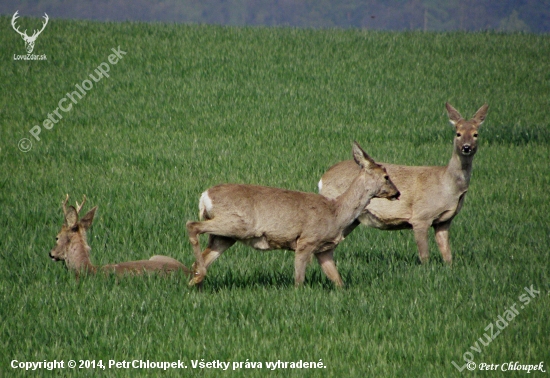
(466, 148)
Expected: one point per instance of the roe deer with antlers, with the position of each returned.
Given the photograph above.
(73, 248)
(430, 196)
(268, 218)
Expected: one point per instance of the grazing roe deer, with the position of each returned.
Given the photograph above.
(267, 218)
(431, 196)
(73, 248)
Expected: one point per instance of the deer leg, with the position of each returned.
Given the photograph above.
(302, 258)
(198, 269)
(326, 260)
(442, 239)
(421, 238)
(351, 227)
(216, 246)
(300, 263)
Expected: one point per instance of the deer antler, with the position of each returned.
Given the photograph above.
(64, 204)
(78, 207)
(15, 17)
(71, 217)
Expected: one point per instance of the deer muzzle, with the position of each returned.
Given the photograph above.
(467, 149)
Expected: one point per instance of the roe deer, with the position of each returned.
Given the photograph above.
(269, 218)
(430, 196)
(73, 248)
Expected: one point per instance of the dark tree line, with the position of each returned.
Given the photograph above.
(434, 15)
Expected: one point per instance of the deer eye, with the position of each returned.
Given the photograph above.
(386, 177)
(475, 135)
(458, 135)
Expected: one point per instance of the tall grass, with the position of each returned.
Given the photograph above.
(192, 106)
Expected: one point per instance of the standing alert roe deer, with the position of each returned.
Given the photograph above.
(430, 196)
(73, 248)
(268, 218)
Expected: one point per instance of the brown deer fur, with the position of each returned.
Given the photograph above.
(268, 218)
(72, 247)
(430, 196)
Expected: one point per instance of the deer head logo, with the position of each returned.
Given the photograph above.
(29, 41)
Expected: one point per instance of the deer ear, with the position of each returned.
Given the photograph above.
(480, 115)
(361, 157)
(454, 115)
(87, 220)
(71, 217)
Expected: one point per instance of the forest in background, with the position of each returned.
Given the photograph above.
(429, 15)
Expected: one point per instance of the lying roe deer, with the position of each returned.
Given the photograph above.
(268, 218)
(430, 196)
(73, 248)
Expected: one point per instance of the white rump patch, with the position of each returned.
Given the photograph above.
(205, 204)
(320, 185)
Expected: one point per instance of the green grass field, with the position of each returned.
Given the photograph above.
(188, 107)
